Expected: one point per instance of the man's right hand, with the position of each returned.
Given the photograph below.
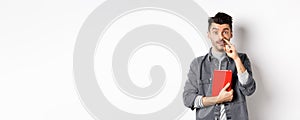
(225, 96)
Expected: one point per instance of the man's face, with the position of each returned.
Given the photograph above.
(218, 32)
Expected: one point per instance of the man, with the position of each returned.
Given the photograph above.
(228, 105)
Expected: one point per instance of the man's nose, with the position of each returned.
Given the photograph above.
(221, 37)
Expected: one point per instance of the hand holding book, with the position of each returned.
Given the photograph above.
(224, 95)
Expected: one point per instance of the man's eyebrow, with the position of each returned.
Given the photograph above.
(214, 29)
(226, 28)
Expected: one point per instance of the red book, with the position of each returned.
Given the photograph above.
(221, 78)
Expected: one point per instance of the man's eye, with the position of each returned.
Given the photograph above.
(225, 32)
(215, 32)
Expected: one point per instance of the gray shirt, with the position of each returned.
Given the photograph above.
(195, 89)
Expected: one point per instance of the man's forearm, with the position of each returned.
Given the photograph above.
(208, 101)
(239, 65)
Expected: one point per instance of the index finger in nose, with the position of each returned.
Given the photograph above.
(227, 41)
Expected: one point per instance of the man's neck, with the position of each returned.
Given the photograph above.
(218, 54)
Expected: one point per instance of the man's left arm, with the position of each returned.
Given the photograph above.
(246, 81)
(243, 66)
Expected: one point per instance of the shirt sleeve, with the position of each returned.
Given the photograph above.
(243, 77)
(198, 102)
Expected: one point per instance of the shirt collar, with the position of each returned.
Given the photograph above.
(210, 56)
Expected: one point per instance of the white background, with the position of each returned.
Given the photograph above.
(37, 40)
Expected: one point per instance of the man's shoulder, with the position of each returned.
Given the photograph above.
(243, 56)
(198, 59)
